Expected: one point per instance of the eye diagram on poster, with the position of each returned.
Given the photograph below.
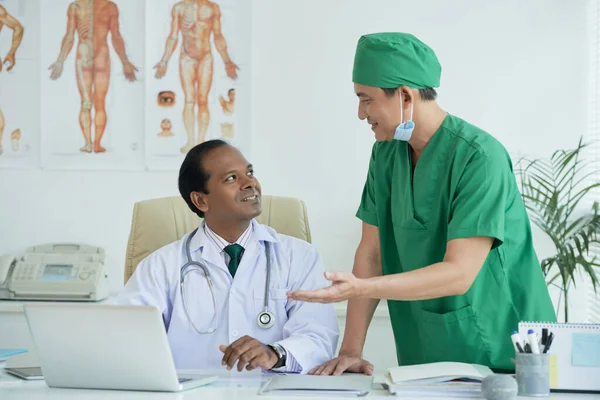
(197, 77)
(92, 54)
(19, 84)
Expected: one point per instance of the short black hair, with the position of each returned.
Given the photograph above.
(192, 174)
(428, 94)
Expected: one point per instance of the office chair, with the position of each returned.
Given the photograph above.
(158, 222)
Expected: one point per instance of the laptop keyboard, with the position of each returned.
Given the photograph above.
(182, 380)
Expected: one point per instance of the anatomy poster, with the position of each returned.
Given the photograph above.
(197, 77)
(19, 84)
(92, 86)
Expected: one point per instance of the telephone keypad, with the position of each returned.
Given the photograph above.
(33, 271)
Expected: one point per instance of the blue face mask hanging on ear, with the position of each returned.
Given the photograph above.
(405, 129)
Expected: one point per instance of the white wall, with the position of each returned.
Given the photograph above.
(515, 68)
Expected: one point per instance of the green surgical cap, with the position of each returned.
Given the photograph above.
(393, 59)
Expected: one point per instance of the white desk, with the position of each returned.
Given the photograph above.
(231, 386)
(14, 333)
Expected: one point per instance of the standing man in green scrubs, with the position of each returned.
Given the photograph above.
(445, 235)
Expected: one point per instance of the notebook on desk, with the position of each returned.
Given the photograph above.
(6, 353)
(574, 355)
(441, 379)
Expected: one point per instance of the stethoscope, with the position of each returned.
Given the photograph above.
(265, 319)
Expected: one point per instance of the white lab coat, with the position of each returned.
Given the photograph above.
(308, 331)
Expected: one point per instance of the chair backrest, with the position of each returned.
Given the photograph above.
(158, 222)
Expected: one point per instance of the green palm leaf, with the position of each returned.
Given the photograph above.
(552, 191)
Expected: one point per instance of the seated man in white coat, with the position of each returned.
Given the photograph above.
(219, 185)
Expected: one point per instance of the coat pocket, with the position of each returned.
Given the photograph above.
(453, 336)
(277, 301)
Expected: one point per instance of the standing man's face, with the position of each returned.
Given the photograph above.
(233, 191)
(380, 111)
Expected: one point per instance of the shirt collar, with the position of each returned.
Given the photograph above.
(257, 232)
(221, 243)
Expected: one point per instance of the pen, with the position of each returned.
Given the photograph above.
(533, 342)
(544, 335)
(516, 339)
(527, 348)
(548, 342)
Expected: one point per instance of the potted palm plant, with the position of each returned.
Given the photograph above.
(551, 190)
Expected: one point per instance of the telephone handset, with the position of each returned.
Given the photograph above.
(64, 271)
(7, 262)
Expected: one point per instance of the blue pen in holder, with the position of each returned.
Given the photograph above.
(533, 374)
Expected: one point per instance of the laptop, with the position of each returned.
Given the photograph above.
(115, 347)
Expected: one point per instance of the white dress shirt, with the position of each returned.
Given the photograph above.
(308, 331)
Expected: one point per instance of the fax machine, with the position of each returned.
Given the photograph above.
(69, 272)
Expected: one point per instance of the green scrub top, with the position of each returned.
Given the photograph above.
(463, 186)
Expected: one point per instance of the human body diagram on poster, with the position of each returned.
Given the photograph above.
(196, 21)
(7, 64)
(93, 20)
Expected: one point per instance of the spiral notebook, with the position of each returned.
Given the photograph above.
(574, 354)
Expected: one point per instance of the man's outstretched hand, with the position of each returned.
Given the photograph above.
(342, 364)
(247, 350)
(344, 286)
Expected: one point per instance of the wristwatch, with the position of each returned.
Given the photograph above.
(281, 355)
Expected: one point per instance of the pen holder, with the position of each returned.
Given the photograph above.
(533, 374)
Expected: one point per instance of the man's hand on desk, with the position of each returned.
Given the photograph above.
(341, 364)
(247, 350)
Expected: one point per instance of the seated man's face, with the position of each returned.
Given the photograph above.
(233, 191)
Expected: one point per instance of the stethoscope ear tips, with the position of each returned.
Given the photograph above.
(266, 319)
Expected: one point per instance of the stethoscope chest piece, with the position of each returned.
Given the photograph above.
(265, 319)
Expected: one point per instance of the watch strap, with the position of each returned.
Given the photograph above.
(281, 355)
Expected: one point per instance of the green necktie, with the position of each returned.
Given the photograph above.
(235, 252)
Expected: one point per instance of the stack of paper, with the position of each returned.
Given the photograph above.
(5, 353)
(441, 379)
(344, 385)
